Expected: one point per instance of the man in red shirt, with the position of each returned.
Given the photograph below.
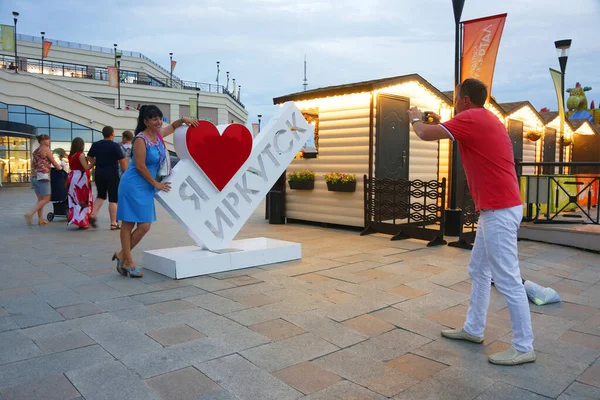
(487, 157)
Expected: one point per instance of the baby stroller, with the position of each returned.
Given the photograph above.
(59, 196)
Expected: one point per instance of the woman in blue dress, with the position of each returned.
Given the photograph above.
(140, 182)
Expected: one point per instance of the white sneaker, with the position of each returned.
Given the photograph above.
(512, 357)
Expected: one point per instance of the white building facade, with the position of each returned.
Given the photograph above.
(72, 98)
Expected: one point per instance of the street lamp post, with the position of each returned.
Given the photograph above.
(227, 81)
(115, 54)
(197, 103)
(15, 17)
(171, 58)
(259, 117)
(562, 50)
(454, 215)
(43, 33)
(118, 57)
(218, 70)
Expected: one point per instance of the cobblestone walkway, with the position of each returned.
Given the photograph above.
(356, 318)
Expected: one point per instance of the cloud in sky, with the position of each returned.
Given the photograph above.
(263, 42)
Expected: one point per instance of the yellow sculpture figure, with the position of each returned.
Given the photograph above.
(577, 99)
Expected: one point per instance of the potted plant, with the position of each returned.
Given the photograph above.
(338, 182)
(566, 142)
(534, 136)
(302, 180)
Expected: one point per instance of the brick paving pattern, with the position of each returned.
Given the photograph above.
(356, 318)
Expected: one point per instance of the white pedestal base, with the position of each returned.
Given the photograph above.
(189, 261)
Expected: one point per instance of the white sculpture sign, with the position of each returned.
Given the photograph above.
(225, 174)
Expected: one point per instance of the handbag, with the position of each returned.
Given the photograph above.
(163, 171)
(42, 176)
(165, 167)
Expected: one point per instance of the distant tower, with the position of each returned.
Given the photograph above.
(305, 80)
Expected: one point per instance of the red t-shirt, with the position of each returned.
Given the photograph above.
(487, 156)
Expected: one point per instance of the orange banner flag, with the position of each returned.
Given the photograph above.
(173, 63)
(47, 46)
(113, 76)
(481, 39)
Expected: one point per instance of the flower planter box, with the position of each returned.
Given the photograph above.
(302, 185)
(341, 187)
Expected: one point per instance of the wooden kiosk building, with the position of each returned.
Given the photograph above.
(363, 128)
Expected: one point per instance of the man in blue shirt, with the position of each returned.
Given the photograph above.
(108, 156)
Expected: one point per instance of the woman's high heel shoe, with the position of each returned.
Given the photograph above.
(120, 268)
(134, 272)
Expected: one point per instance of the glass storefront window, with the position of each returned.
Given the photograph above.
(63, 135)
(18, 144)
(38, 120)
(34, 67)
(129, 76)
(75, 71)
(56, 122)
(16, 117)
(30, 110)
(101, 74)
(18, 109)
(15, 159)
(15, 151)
(42, 131)
(86, 134)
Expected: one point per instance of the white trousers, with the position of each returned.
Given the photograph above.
(495, 255)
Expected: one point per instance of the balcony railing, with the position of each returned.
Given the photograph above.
(54, 68)
(571, 197)
(81, 46)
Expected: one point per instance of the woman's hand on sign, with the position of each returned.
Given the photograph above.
(190, 121)
(163, 186)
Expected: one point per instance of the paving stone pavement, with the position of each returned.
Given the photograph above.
(356, 318)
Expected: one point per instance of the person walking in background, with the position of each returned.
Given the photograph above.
(41, 159)
(81, 198)
(139, 183)
(108, 156)
(126, 148)
(487, 156)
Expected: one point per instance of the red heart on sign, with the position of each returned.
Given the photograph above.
(219, 156)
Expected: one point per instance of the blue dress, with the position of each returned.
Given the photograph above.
(136, 194)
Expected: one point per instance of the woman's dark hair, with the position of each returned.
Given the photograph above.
(41, 137)
(146, 112)
(77, 146)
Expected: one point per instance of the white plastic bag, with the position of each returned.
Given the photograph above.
(541, 295)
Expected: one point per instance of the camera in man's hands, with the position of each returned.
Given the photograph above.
(426, 118)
